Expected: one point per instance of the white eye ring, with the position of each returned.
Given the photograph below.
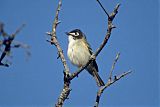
(76, 34)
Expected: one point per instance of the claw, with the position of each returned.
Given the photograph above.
(93, 57)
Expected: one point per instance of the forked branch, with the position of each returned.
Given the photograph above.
(110, 80)
(67, 75)
(66, 88)
(108, 34)
(7, 42)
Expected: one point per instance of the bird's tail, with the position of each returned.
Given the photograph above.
(93, 70)
(98, 79)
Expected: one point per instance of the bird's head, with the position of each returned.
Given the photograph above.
(75, 34)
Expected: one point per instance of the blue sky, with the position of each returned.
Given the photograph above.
(38, 81)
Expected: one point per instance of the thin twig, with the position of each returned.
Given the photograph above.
(113, 65)
(109, 83)
(93, 57)
(2, 32)
(66, 88)
(55, 41)
(19, 29)
(109, 30)
(103, 8)
(67, 76)
(7, 43)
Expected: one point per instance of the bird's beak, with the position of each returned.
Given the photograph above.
(67, 33)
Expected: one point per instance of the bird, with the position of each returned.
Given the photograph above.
(79, 53)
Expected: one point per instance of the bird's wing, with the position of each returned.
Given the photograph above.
(88, 46)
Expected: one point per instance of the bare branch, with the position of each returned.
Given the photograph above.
(7, 43)
(2, 32)
(109, 83)
(109, 30)
(54, 38)
(18, 44)
(67, 76)
(113, 65)
(19, 29)
(66, 89)
(103, 8)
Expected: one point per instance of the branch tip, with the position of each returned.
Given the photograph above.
(113, 26)
(67, 75)
(130, 71)
(49, 33)
(58, 22)
(103, 8)
(118, 5)
(117, 56)
(50, 42)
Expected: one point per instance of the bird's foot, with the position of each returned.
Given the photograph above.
(93, 57)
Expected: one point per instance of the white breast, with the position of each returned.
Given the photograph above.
(77, 52)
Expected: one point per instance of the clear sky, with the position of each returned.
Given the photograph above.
(38, 81)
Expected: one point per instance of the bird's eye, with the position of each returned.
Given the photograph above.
(76, 34)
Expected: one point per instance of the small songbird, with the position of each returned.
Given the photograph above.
(79, 52)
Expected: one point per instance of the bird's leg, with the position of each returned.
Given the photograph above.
(93, 57)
